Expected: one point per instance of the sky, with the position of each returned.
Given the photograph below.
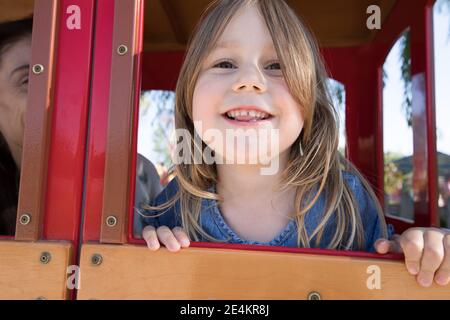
(395, 128)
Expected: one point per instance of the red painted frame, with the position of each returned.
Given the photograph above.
(98, 120)
(65, 182)
(69, 126)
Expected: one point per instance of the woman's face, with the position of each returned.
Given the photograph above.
(241, 87)
(14, 67)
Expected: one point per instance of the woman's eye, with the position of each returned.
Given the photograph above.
(274, 66)
(24, 81)
(225, 65)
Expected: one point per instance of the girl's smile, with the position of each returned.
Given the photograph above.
(248, 116)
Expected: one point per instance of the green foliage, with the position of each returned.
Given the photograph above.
(162, 123)
(405, 62)
(393, 177)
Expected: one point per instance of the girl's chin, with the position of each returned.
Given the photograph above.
(245, 159)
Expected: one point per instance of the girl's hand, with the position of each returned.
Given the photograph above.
(427, 253)
(173, 240)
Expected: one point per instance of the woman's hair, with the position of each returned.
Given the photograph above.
(9, 189)
(319, 170)
(10, 33)
(14, 31)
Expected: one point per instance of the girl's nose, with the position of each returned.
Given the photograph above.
(250, 80)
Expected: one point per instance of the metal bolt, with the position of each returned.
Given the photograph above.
(25, 219)
(45, 257)
(38, 68)
(111, 221)
(122, 49)
(96, 259)
(314, 296)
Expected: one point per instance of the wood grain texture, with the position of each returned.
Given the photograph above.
(134, 272)
(14, 10)
(168, 23)
(23, 276)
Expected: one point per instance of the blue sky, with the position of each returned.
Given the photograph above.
(398, 136)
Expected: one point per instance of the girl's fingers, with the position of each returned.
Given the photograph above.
(384, 246)
(412, 245)
(433, 256)
(150, 236)
(167, 238)
(181, 236)
(443, 275)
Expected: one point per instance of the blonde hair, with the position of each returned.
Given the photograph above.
(321, 167)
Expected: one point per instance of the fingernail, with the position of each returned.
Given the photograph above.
(425, 282)
(185, 243)
(442, 280)
(154, 245)
(413, 270)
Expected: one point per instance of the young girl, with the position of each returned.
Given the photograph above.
(252, 65)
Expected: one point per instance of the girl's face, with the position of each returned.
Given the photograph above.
(14, 66)
(241, 86)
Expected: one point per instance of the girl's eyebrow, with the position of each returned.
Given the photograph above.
(234, 44)
(226, 45)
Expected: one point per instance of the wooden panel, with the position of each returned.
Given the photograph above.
(17, 9)
(24, 276)
(132, 272)
(37, 122)
(168, 23)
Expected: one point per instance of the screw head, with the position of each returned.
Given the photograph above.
(314, 296)
(96, 259)
(122, 50)
(45, 257)
(38, 69)
(111, 221)
(25, 219)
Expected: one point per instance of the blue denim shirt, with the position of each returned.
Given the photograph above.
(213, 223)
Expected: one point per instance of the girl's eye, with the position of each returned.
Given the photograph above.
(274, 66)
(225, 65)
(25, 81)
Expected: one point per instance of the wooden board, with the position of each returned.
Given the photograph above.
(134, 272)
(17, 9)
(24, 276)
(169, 23)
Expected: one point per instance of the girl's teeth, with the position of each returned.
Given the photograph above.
(244, 115)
